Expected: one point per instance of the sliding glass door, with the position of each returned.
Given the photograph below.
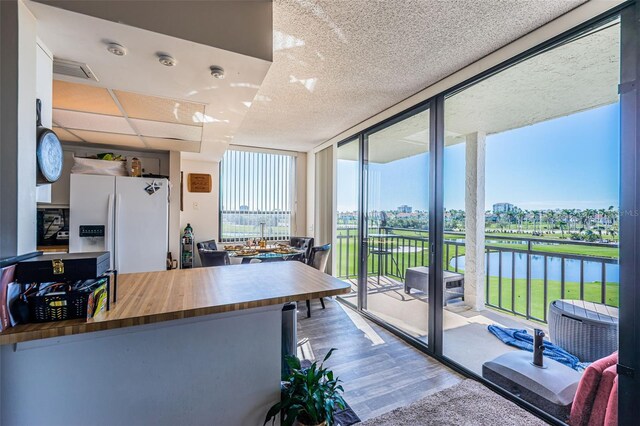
(496, 206)
(395, 243)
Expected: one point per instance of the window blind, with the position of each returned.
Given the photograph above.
(256, 188)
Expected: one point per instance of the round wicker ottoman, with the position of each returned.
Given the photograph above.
(585, 329)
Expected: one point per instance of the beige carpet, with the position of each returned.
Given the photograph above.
(467, 403)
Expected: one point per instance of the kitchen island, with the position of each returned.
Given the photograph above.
(195, 346)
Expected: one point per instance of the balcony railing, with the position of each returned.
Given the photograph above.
(240, 225)
(523, 274)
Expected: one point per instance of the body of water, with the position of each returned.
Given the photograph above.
(592, 270)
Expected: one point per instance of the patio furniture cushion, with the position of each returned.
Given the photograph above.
(587, 389)
(601, 401)
(611, 418)
(551, 389)
(318, 257)
(586, 329)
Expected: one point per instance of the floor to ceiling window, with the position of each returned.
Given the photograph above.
(395, 244)
(395, 240)
(529, 220)
(531, 198)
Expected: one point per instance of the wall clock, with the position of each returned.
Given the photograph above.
(48, 151)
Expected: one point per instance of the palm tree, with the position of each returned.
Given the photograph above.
(612, 216)
(550, 217)
(586, 217)
(562, 224)
(510, 218)
(519, 217)
(567, 214)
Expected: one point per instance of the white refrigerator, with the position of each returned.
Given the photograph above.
(127, 216)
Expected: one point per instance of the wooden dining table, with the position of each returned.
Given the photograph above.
(269, 254)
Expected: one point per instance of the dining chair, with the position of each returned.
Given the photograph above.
(207, 245)
(302, 243)
(318, 258)
(213, 257)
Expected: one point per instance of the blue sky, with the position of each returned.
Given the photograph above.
(568, 162)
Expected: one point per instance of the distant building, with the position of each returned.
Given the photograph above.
(244, 208)
(405, 209)
(503, 208)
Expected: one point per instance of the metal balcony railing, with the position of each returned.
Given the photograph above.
(240, 225)
(523, 275)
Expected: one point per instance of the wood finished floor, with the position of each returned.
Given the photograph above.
(380, 371)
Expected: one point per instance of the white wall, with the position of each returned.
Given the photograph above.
(27, 82)
(44, 92)
(18, 171)
(44, 83)
(201, 210)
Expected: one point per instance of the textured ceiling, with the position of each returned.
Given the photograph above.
(575, 76)
(337, 63)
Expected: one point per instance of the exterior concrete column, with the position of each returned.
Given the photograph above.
(474, 265)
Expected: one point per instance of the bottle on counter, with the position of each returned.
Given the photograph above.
(263, 241)
(136, 167)
(187, 247)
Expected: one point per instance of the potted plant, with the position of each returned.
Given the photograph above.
(309, 395)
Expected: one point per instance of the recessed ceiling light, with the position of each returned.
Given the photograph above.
(167, 60)
(217, 71)
(117, 49)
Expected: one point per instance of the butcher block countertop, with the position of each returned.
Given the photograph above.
(152, 297)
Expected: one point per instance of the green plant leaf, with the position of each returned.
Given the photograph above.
(272, 413)
(291, 415)
(310, 394)
(293, 362)
(326, 357)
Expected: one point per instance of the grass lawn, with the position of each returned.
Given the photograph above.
(610, 252)
(548, 233)
(538, 307)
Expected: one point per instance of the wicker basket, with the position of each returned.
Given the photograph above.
(582, 332)
(60, 306)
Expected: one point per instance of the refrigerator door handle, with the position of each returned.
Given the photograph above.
(117, 229)
(108, 235)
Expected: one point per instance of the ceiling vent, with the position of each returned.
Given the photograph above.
(73, 69)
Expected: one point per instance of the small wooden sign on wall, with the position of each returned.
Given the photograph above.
(199, 182)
